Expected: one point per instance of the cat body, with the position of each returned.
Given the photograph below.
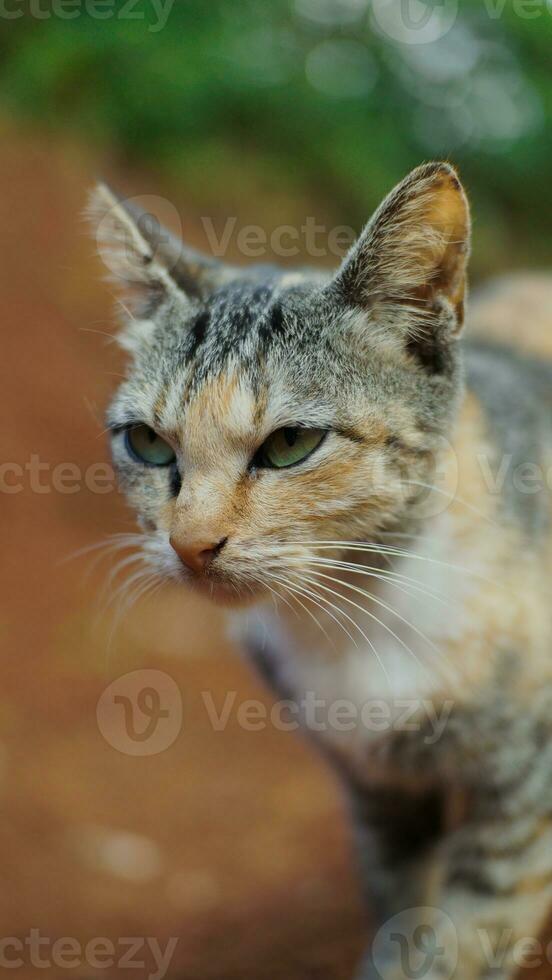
(449, 753)
(370, 493)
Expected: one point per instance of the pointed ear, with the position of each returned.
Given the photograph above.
(409, 265)
(143, 257)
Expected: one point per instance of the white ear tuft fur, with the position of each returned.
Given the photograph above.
(130, 245)
(143, 257)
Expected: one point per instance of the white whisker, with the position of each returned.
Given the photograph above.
(111, 543)
(294, 591)
(371, 615)
(453, 498)
(342, 612)
(278, 595)
(388, 577)
(142, 580)
(382, 550)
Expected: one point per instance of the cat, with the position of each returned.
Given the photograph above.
(325, 456)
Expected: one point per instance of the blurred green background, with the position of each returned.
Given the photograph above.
(305, 100)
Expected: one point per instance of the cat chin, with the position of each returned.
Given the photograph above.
(223, 594)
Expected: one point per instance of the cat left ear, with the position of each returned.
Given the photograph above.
(409, 266)
(143, 257)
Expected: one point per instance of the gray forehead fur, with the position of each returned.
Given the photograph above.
(298, 322)
(384, 326)
(246, 320)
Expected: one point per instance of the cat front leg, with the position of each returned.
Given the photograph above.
(497, 887)
(485, 921)
(397, 834)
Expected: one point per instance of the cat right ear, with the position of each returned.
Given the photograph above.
(408, 268)
(144, 258)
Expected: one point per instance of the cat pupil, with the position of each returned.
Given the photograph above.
(291, 436)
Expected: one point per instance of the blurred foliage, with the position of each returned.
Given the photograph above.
(310, 95)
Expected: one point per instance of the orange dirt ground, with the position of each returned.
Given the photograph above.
(234, 841)
(242, 848)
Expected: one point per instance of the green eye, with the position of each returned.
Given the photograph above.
(288, 446)
(147, 447)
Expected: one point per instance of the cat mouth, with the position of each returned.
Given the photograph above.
(224, 586)
(223, 591)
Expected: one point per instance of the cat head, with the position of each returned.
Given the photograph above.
(267, 414)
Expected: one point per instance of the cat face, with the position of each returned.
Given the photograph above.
(266, 414)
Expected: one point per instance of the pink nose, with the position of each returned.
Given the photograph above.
(197, 555)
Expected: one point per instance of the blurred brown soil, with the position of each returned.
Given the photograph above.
(234, 841)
